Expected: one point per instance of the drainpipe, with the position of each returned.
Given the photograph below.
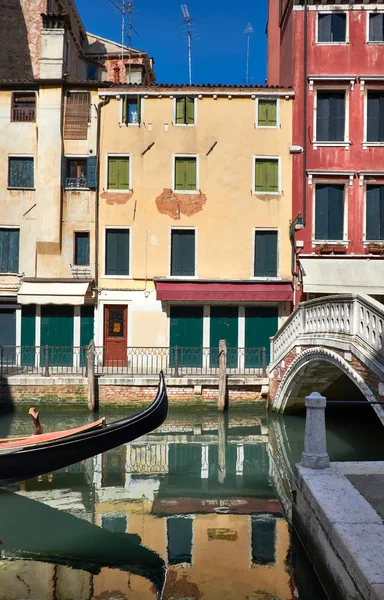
(305, 67)
(98, 111)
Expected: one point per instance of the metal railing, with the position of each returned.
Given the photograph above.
(75, 182)
(23, 114)
(130, 361)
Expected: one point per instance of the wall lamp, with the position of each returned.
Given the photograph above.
(295, 225)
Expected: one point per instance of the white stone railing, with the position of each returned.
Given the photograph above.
(345, 316)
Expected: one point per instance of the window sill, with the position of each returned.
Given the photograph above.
(259, 193)
(186, 191)
(130, 124)
(28, 189)
(24, 121)
(109, 191)
(346, 43)
(263, 278)
(77, 189)
(183, 277)
(375, 42)
(184, 124)
(330, 242)
(344, 144)
(266, 126)
(366, 145)
(11, 274)
(117, 276)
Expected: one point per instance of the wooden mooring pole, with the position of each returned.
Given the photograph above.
(222, 359)
(91, 375)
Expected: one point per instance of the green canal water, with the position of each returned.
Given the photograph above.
(199, 509)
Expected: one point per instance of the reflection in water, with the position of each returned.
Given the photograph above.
(198, 494)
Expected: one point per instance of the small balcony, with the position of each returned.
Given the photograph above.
(76, 182)
(23, 114)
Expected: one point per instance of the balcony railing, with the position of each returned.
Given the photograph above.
(130, 361)
(76, 182)
(25, 114)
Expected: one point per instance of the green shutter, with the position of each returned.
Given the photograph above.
(224, 326)
(28, 335)
(265, 264)
(267, 113)
(266, 175)
(336, 212)
(117, 252)
(373, 216)
(180, 111)
(179, 173)
(186, 331)
(183, 253)
(9, 250)
(86, 331)
(321, 212)
(57, 330)
(92, 172)
(190, 110)
(190, 174)
(179, 540)
(118, 173)
(260, 324)
(81, 248)
(124, 109)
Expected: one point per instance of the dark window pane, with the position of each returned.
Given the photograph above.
(265, 263)
(329, 212)
(117, 252)
(375, 212)
(375, 117)
(179, 538)
(263, 539)
(183, 252)
(332, 27)
(9, 250)
(20, 172)
(376, 27)
(114, 523)
(330, 122)
(82, 248)
(324, 28)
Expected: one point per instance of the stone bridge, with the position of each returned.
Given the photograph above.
(333, 345)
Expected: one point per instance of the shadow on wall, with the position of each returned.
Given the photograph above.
(16, 60)
(6, 401)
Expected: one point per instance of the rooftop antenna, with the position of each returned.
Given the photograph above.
(125, 7)
(188, 21)
(248, 30)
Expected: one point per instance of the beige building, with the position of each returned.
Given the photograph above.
(49, 110)
(193, 225)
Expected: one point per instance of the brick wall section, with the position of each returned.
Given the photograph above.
(370, 378)
(116, 394)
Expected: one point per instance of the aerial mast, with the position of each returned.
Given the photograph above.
(248, 30)
(188, 21)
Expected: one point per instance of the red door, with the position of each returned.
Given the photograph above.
(115, 336)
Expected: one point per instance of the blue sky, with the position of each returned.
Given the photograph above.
(218, 49)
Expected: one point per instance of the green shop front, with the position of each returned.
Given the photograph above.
(57, 319)
(200, 314)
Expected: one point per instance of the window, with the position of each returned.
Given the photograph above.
(185, 177)
(374, 229)
(332, 27)
(114, 523)
(183, 252)
(91, 72)
(9, 250)
(330, 119)
(23, 106)
(265, 261)
(117, 252)
(179, 540)
(20, 172)
(329, 212)
(79, 172)
(185, 110)
(131, 110)
(267, 113)
(81, 248)
(375, 116)
(376, 27)
(133, 75)
(263, 539)
(118, 173)
(77, 115)
(267, 175)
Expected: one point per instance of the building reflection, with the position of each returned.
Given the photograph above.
(200, 496)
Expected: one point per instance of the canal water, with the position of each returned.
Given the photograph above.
(199, 509)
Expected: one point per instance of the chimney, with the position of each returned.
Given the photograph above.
(116, 74)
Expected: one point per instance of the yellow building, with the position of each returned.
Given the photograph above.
(193, 224)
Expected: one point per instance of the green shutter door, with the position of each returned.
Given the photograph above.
(186, 331)
(224, 326)
(57, 330)
(28, 335)
(86, 331)
(265, 264)
(260, 325)
(183, 252)
(8, 334)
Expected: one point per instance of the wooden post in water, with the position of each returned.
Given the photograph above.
(91, 375)
(222, 358)
(222, 425)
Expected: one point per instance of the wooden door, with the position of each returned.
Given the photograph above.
(115, 336)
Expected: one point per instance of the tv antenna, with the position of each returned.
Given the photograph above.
(188, 21)
(125, 7)
(248, 30)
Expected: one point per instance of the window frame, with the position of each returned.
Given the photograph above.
(129, 228)
(197, 190)
(369, 13)
(327, 12)
(365, 143)
(261, 277)
(118, 155)
(75, 232)
(141, 110)
(175, 228)
(24, 92)
(78, 157)
(12, 187)
(343, 143)
(184, 516)
(18, 228)
(375, 182)
(178, 96)
(327, 181)
(279, 175)
(268, 98)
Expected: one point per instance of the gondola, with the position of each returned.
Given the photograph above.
(29, 457)
(31, 530)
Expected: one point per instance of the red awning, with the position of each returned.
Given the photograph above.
(224, 291)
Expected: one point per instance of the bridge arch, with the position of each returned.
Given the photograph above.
(299, 375)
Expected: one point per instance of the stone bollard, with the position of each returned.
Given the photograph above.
(315, 454)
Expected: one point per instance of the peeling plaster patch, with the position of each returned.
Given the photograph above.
(174, 205)
(177, 589)
(116, 198)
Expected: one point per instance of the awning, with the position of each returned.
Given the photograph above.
(223, 291)
(343, 275)
(53, 292)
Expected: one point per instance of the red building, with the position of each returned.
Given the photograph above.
(332, 53)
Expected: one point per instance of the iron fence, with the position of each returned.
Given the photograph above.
(175, 361)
